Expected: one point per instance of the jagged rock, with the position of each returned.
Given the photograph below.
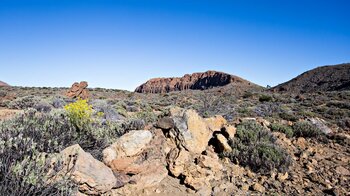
(321, 124)
(78, 90)
(258, 187)
(92, 176)
(140, 155)
(215, 123)
(127, 145)
(196, 81)
(342, 171)
(177, 161)
(222, 143)
(165, 123)
(190, 131)
(210, 163)
(229, 131)
(282, 177)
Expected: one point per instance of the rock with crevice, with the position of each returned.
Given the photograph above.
(139, 155)
(78, 90)
(92, 176)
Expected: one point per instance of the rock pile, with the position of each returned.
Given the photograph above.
(78, 90)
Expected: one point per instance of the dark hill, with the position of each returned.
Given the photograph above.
(325, 78)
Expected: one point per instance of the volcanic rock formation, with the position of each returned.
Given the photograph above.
(78, 90)
(195, 81)
(326, 78)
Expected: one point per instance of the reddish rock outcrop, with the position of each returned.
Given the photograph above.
(3, 84)
(78, 90)
(196, 81)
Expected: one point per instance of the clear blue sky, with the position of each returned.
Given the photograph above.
(121, 44)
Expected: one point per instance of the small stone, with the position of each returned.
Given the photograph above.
(250, 174)
(158, 191)
(258, 187)
(229, 131)
(165, 123)
(282, 177)
(222, 142)
(342, 171)
(245, 187)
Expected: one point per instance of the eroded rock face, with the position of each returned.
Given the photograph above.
(128, 145)
(196, 81)
(78, 90)
(139, 155)
(92, 176)
(191, 131)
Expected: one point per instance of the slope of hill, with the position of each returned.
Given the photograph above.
(195, 81)
(325, 78)
(3, 84)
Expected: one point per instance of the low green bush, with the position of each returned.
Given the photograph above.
(265, 98)
(306, 129)
(255, 147)
(282, 129)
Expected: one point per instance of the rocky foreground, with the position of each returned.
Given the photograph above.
(180, 156)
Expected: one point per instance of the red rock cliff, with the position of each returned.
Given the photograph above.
(196, 81)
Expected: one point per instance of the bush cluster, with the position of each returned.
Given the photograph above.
(306, 129)
(255, 147)
(23, 164)
(283, 129)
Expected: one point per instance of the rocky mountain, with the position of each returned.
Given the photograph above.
(325, 78)
(195, 81)
(3, 84)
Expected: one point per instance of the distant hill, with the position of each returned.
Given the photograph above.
(195, 81)
(325, 78)
(3, 84)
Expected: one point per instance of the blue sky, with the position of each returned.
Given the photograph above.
(121, 44)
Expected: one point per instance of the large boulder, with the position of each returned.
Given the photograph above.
(128, 145)
(92, 176)
(191, 131)
(78, 90)
(321, 125)
(139, 155)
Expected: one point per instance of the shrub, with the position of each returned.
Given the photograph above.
(288, 116)
(265, 98)
(109, 113)
(306, 129)
(283, 129)
(255, 147)
(23, 169)
(43, 106)
(24, 102)
(79, 113)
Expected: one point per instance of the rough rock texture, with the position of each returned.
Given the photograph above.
(128, 145)
(326, 78)
(3, 84)
(191, 131)
(195, 81)
(139, 155)
(78, 90)
(92, 176)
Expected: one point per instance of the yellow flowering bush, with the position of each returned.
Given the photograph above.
(79, 112)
